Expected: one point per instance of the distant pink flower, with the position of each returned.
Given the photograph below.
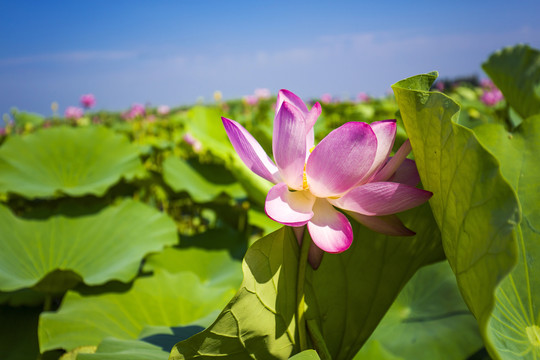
(349, 169)
(439, 85)
(73, 112)
(262, 93)
(251, 100)
(363, 97)
(88, 101)
(326, 98)
(2, 131)
(163, 110)
(195, 144)
(136, 110)
(491, 97)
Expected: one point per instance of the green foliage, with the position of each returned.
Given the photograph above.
(345, 321)
(203, 183)
(54, 254)
(516, 316)
(516, 72)
(428, 320)
(475, 207)
(66, 161)
(161, 300)
(89, 209)
(115, 349)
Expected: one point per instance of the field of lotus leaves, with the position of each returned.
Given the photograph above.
(143, 235)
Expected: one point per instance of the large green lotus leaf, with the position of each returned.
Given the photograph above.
(116, 349)
(95, 248)
(203, 185)
(213, 267)
(204, 123)
(429, 320)
(475, 207)
(64, 160)
(516, 72)
(24, 118)
(259, 322)
(515, 324)
(18, 338)
(163, 299)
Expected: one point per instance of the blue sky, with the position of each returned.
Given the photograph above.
(174, 52)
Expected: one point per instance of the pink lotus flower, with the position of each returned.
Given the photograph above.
(251, 100)
(491, 97)
(88, 101)
(73, 112)
(349, 169)
(194, 143)
(363, 97)
(135, 111)
(326, 98)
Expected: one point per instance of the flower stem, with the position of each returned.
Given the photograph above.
(300, 319)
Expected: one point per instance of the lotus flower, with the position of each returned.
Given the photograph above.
(73, 112)
(349, 170)
(88, 101)
(491, 97)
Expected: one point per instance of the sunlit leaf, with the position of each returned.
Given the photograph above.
(475, 207)
(56, 253)
(115, 349)
(161, 300)
(64, 160)
(202, 187)
(515, 324)
(213, 267)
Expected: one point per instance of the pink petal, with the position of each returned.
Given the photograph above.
(330, 230)
(387, 225)
(394, 163)
(386, 133)
(250, 151)
(292, 208)
(341, 159)
(407, 173)
(382, 198)
(288, 96)
(289, 145)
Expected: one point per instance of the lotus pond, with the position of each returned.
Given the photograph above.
(144, 235)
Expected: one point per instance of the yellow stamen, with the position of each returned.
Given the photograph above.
(305, 185)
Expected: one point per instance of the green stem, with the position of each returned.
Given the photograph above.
(318, 340)
(300, 319)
